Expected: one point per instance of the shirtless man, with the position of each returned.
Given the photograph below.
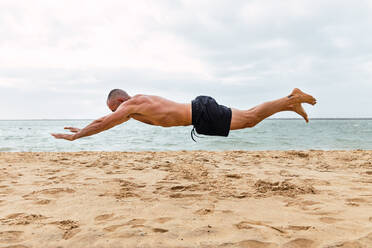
(204, 113)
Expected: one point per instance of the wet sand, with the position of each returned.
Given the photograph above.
(186, 199)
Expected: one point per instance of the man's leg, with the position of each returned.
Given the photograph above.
(249, 118)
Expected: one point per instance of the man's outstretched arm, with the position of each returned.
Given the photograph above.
(97, 126)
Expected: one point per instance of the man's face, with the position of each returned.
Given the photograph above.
(114, 104)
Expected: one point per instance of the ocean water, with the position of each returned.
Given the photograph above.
(271, 134)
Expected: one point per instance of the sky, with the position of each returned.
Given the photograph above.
(59, 59)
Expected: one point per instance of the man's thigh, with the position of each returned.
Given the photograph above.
(237, 119)
(242, 119)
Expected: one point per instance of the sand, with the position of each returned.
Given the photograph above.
(295, 199)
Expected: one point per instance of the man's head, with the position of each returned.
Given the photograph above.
(115, 98)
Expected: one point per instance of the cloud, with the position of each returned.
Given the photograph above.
(241, 52)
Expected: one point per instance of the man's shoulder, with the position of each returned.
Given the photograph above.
(141, 98)
(134, 104)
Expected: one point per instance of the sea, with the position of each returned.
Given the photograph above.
(271, 134)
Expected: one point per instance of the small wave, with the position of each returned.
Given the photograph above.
(5, 149)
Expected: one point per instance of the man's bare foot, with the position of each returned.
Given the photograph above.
(297, 98)
(301, 97)
(300, 110)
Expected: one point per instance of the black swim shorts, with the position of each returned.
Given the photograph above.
(210, 118)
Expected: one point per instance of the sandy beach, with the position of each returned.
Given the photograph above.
(186, 199)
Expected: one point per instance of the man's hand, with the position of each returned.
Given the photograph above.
(73, 129)
(97, 126)
(69, 137)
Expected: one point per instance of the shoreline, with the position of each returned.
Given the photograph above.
(200, 150)
(292, 198)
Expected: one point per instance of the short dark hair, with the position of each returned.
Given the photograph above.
(117, 93)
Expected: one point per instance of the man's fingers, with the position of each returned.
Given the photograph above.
(62, 136)
(72, 129)
(55, 135)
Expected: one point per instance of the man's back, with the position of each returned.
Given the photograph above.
(155, 110)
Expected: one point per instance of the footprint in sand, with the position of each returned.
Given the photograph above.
(191, 187)
(329, 220)
(112, 228)
(300, 243)
(356, 200)
(250, 244)
(162, 220)
(136, 222)
(284, 188)
(127, 235)
(42, 201)
(365, 241)
(70, 233)
(159, 230)
(248, 225)
(235, 176)
(309, 203)
(10, 236)
(204, 211)
(180, 195)
(70, 176)
(298, 154)
(299, 228)
(51, 171)
(70, 228)
(133, 223)
(103, 217)
(56, 192)
(139, 167)
(303, 204)
(6, 191)
(204, 231)
(127, 189)
(227, 211)
(285, 173)
(243, 225)
(22, 219)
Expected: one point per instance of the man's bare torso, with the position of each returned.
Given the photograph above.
(155, 110)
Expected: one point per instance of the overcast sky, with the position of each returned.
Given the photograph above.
(59, 59)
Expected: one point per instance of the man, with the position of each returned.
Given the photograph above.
(204, 113)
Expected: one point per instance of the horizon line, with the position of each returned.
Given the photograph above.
(284, 118)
